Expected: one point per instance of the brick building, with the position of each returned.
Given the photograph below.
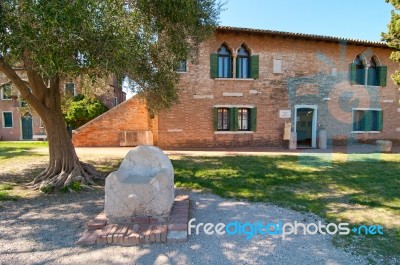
(249, 84)
(18, 122)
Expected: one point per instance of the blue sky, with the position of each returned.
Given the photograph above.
(358, 19)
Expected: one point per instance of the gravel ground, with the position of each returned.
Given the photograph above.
(43, 230)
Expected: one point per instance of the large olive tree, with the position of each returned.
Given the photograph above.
(57, 39)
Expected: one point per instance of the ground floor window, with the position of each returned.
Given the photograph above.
(367, 120)
(235, 119)
(223, 119)
(243, 119)
(7, 120)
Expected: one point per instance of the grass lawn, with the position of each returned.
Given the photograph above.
(359, 189)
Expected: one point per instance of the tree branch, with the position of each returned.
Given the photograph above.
(21, 86)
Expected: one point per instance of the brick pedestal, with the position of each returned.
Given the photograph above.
(140, 230)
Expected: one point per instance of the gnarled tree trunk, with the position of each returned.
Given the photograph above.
(64, 165)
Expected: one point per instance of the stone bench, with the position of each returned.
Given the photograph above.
(383, 146)
(38, 137)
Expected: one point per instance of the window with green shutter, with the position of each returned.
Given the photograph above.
(253, 119)
(382, 75)
(235, 119)
(367, 120)
(353, 73)
(213, 65)
(222, 119)
(243, 63)
(7, 120)
(254, 66)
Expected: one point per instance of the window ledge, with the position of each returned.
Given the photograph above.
(7, 99)
(366, 132)
(358, 85)
(181, 72)
(234, 79)
(233, 132)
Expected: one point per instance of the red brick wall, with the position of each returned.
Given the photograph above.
(190, 123)
(105, 130)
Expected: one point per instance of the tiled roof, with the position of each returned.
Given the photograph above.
(302, 36)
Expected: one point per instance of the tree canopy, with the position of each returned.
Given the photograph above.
(144, 39)
(53, 40)
(392, 37)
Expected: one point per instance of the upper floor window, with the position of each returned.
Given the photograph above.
(360, 71)
(182, 67)
(243, 63)
(372, 73)
(224, 62)
(70, 89)
(6, 91)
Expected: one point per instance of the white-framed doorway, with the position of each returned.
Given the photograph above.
(305, 125)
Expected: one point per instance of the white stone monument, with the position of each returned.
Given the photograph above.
(142, 186)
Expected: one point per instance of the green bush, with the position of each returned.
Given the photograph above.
(83, 110)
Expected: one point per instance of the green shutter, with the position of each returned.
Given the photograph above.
(382, 74)
(233, 119)
(367, 120)
(254, 66)
(353, 73)
(253, 119)
(380, 121)
(213, 65)
(215, 110)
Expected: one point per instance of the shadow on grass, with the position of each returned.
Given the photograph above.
(307, 183)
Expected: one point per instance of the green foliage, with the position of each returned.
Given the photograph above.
(81, 110)
(75, 186)
(142, 39)
(46, 187)
(392, 37)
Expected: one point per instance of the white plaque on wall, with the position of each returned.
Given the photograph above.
(285, 114)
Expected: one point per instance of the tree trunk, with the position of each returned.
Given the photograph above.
(45, 98)
(64, 165)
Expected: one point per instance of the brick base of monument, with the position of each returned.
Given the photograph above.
(140, 230)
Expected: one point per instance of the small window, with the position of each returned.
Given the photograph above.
(70, 89)
(182, 67)
(243, 119)
(277, 66)
(115, 101)
(367, 120)
(223, 119)
(41, 124)
(224, 62)
(243, 63)
(6, 92)
(7, 120)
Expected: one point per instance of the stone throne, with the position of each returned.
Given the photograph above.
(143, 186)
